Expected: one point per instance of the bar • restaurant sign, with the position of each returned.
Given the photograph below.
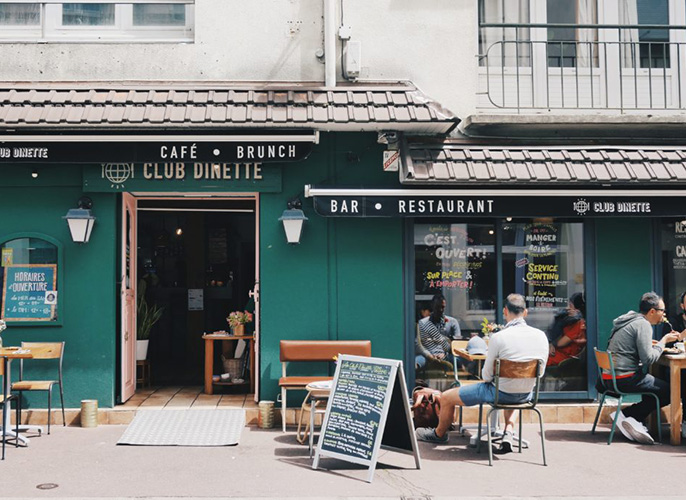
(427, 205)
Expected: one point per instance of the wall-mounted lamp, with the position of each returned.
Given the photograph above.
(34, 173)
(81, 220)
(293, 219)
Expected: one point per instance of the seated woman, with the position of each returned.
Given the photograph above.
(568, 333)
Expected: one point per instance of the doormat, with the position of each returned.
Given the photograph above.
(185, 428)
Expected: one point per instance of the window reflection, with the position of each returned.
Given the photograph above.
(87, 14)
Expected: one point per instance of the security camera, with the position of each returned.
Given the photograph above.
(387, 137)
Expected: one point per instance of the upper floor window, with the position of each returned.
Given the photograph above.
(571, 47)
(92, 20)
(649, 47)
(507, 45)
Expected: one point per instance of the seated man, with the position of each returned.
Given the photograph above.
(631, 345)
(516, 342)
(436, 332)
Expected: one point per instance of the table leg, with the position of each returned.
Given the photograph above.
(209, 364)
(9, 432)
(675, 404)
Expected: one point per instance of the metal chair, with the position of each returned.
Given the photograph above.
(514, 369)
(6, 402)
(604, 361)
(48, 351)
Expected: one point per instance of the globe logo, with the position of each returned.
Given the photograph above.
(117, 173)
(581, 206)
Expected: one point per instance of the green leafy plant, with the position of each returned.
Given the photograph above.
(147, 315)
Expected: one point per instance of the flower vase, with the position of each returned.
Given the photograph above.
(239, 330)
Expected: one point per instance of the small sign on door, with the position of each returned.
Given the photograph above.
(195, 299)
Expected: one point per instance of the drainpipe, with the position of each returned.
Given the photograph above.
(330, 42)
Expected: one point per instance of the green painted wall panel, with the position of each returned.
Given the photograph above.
(624, 268)
(344, 280)
(87, 295)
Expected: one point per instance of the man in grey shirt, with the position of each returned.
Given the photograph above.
(631, 345)
(516, 342)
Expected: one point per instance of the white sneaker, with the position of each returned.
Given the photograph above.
(637, 430)
(621, 428)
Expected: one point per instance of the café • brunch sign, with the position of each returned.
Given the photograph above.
(28, 292)
(84, 149)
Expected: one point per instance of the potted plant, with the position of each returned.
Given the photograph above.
(146, 319)
(237, 321)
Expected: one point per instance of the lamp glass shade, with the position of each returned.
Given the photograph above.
(81, 223)
(293, 220)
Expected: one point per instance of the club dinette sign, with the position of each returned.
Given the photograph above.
(115, 151)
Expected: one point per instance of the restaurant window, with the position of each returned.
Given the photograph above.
(97, 21)
(673, 250)
(29, 280)
(457, 260)
(543, 260)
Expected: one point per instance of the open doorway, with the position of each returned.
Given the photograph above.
(196, 262)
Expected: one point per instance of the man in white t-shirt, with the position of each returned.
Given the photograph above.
(516, 342)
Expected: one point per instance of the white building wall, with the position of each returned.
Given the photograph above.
(432, 43)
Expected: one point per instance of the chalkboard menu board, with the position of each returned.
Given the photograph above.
(366, 393)
(29, 292)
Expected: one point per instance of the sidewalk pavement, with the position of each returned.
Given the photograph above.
(86, 463)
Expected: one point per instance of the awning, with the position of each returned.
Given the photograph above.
(470, 203)
(62, 107)
(461, 165)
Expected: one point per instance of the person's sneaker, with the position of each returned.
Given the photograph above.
(621, 428)
(683, 429)
(506, 443)
(429, 435)
(637, 430)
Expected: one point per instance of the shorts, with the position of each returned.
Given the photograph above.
(484, 392)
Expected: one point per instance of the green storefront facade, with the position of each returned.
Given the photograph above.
(347, 279)
(351, 276)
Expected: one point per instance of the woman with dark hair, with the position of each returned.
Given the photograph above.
(568, 334)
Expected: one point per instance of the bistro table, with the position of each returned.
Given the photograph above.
(459, 349)
(210, 338)
(8, 354)
(675, 363)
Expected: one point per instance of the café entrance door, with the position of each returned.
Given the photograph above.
(196, 261)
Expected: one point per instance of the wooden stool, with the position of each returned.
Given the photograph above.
(143, 367)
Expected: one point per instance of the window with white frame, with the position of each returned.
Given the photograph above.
(97, 21)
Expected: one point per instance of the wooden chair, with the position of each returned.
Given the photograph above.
(604, 361)
(49, 351)
(514, 369)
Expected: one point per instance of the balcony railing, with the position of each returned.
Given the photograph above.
(610, 67)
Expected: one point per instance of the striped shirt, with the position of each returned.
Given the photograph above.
(436, 337)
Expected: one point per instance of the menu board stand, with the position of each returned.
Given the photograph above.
(368, 408)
